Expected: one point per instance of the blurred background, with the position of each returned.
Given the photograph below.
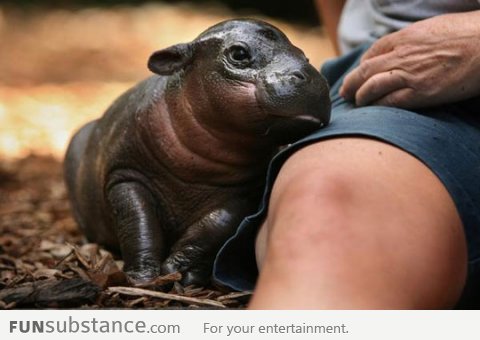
(62, 62)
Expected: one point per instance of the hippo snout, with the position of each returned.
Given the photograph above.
(296, 102)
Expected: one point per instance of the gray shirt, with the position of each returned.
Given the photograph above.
(366, 20)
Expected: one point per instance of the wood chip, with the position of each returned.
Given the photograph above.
(80, 257)
(10, 305)
(82, 273)
(190, 291)
(160, 281)
(89, 251)
(45, 273)
(133, 303)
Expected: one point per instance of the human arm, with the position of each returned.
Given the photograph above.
(330, 11)
(431, 62)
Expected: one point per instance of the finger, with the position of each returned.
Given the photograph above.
(403, 98)
(381, 46)
(356, 78)
(380, 85)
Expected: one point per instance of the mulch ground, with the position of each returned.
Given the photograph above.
(45, 262)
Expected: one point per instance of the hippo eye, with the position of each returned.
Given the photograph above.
(239, 55)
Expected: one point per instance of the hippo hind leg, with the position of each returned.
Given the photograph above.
(73, 158)
(75, 152)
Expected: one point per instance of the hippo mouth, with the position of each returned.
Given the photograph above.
(288, 129)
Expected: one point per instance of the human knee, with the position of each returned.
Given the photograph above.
(320, 177)
(312, 182)
(311, 208)
(337, 207)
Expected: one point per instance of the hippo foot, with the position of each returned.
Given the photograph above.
(192, 265)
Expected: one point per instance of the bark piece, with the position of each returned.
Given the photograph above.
(165, 296)
(51, 293)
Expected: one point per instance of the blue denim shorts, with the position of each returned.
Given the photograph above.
(446, 139)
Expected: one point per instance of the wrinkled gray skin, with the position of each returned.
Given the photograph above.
(174, 165)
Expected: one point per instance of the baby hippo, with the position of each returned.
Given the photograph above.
(166, 175)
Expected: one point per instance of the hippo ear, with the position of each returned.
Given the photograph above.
(170, 60)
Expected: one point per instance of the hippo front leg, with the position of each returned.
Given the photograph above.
(138, 230)
(193, 254)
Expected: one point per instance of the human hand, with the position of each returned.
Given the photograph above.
(431, 62)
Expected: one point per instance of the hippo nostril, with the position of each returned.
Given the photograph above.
(299, 76)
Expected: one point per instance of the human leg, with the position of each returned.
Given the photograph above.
(358, 223)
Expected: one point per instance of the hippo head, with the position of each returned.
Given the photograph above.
(245, 76)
